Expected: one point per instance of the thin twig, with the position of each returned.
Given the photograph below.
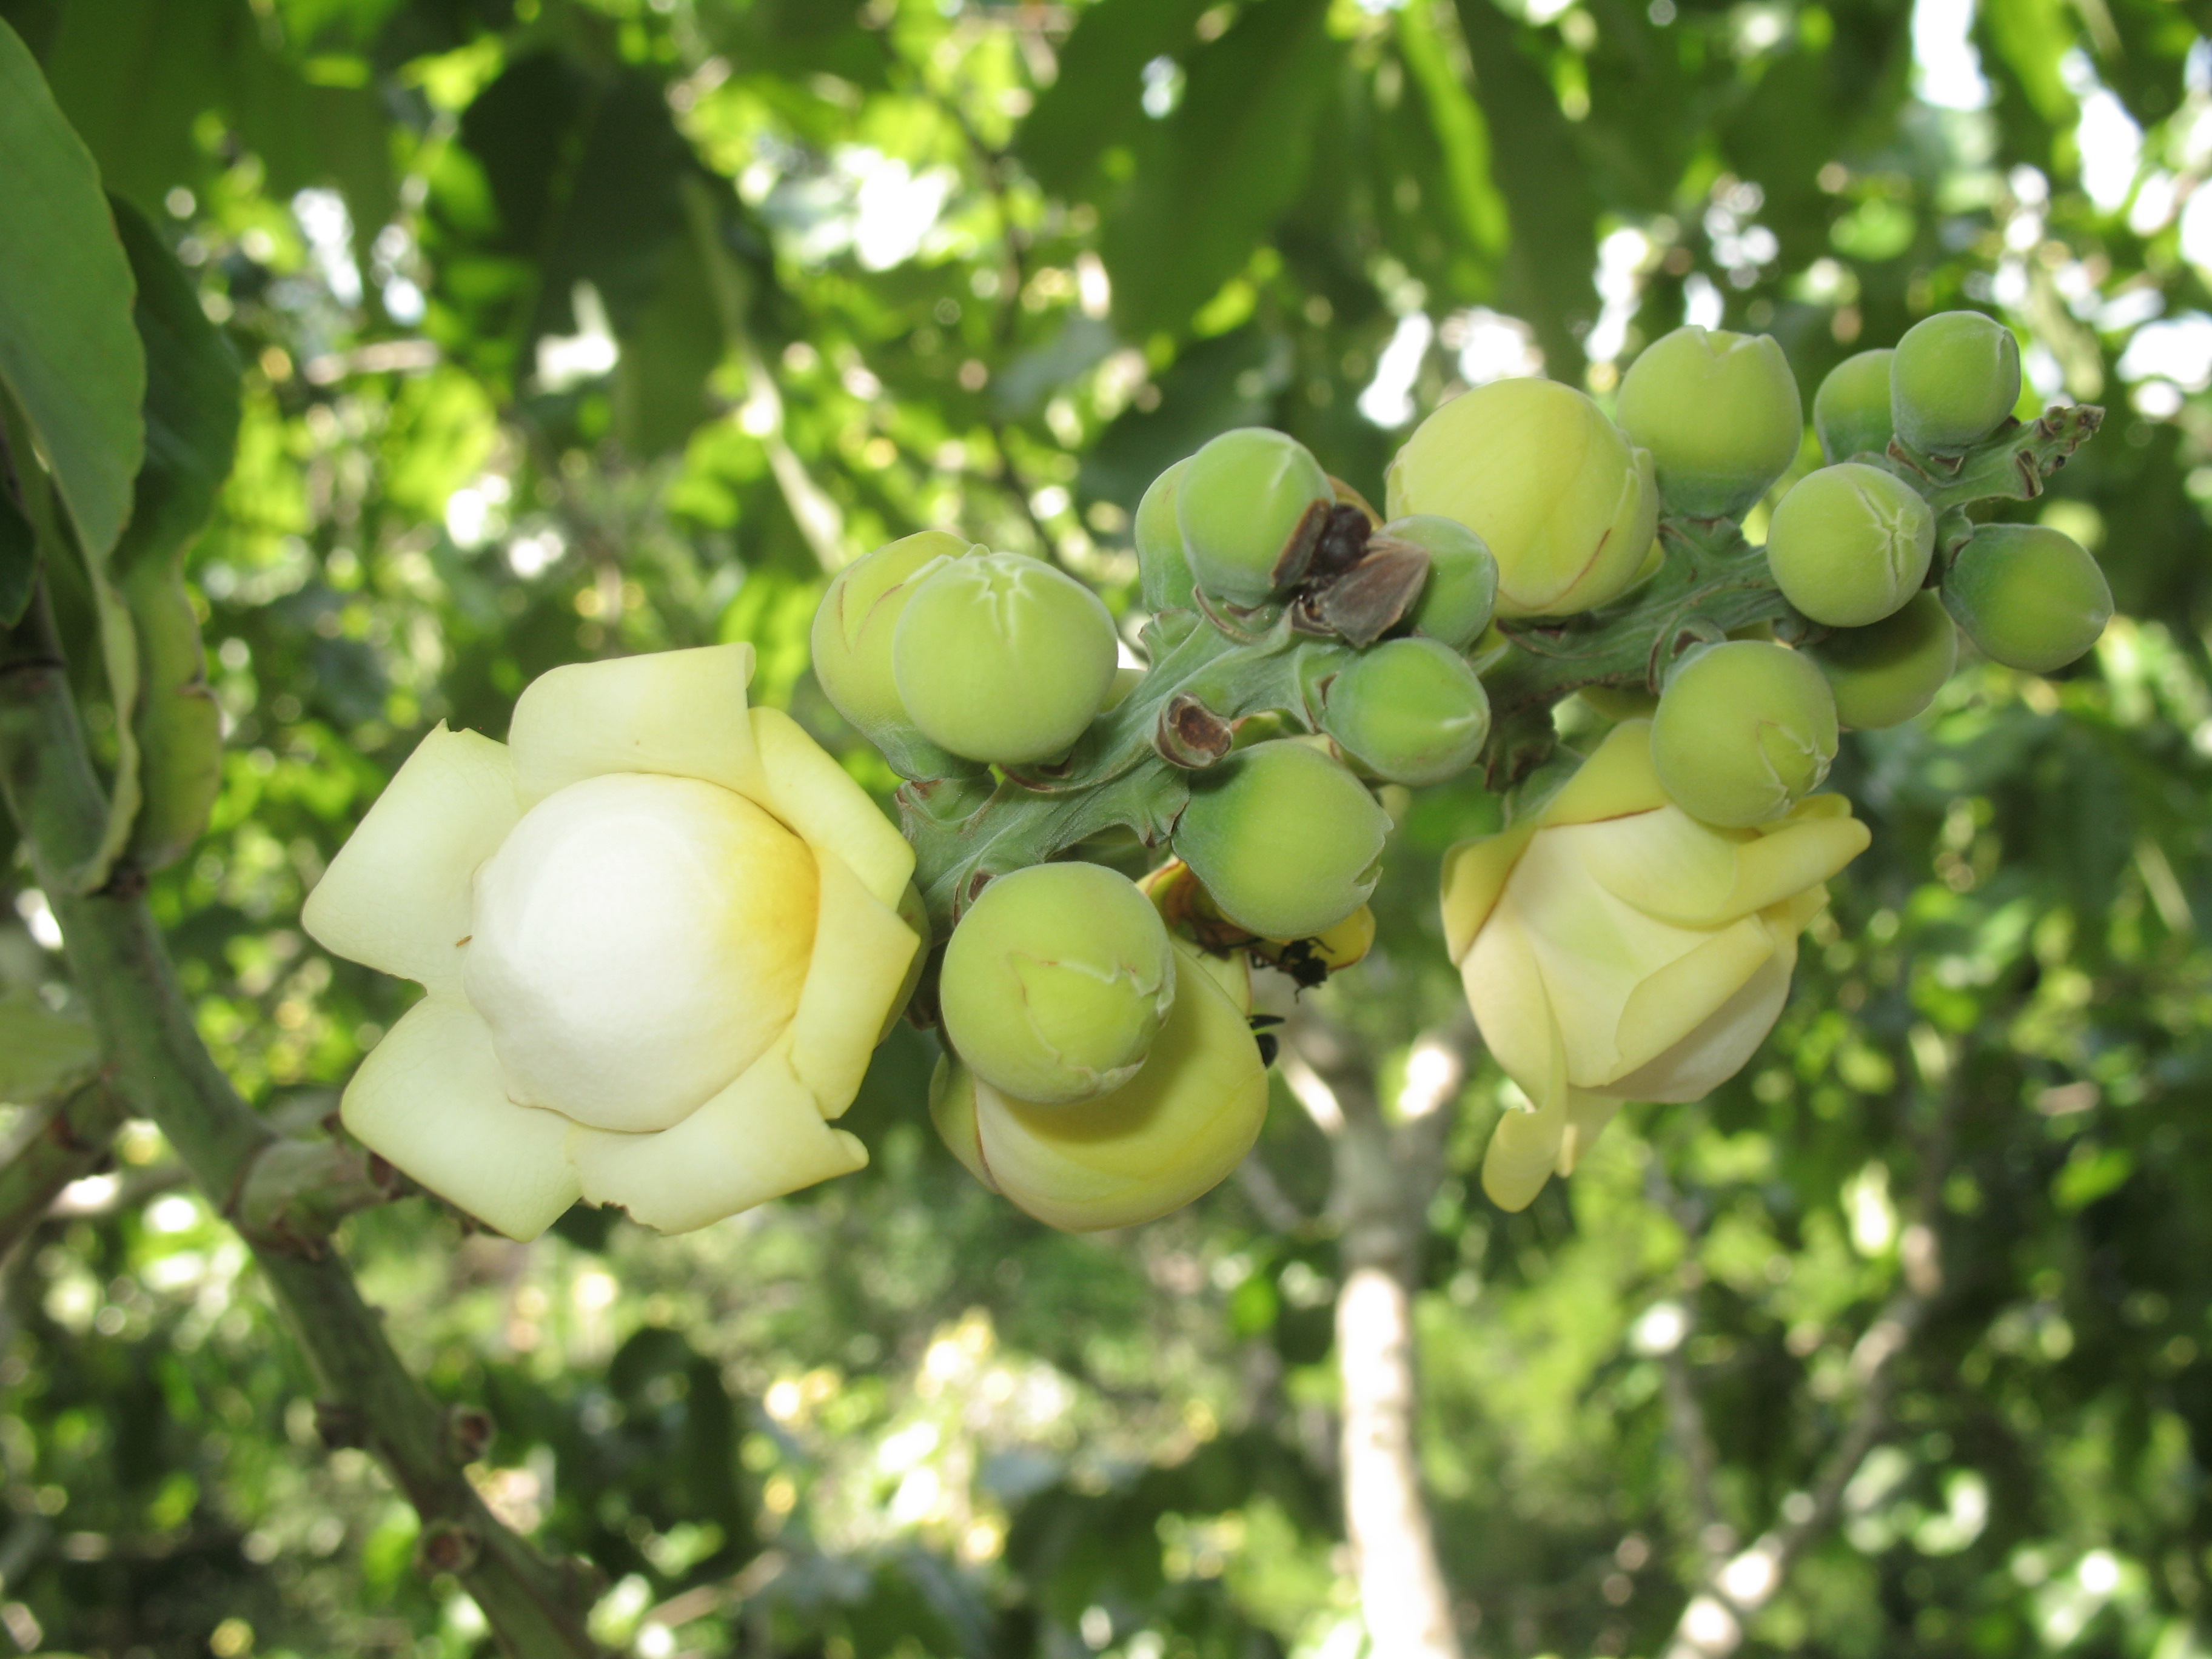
(57, 1144)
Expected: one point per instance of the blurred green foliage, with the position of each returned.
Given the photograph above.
(583, 326)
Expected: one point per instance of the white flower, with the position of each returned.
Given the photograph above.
(660, 935)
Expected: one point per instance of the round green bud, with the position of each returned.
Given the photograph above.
(1745, 731)
(1163, 570)
(853, 625)
(1851, 411)
(1002, 658)
(1055, 982)
(1411, 711)
(1954, 379)
(1566, 505)
(1885, 674)
(1285, 840)
(1251, 505)
(2029, 597)
(1720, 414)
(1850, 544)
(1461, 594)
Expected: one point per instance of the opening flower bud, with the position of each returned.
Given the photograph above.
(2029, 597)
(1566, 504)
(1165, 573)
(1251, 506)
(1885, 674)
(1056, 981)
(1851, 411)
(1411, 711)
(1954, 379)
(1720, 414)
(1461, 594)
(1850, 544)
(1170, 1133)
(851, 634)
(1286, 840)
(1745, 730)
(1002, 658)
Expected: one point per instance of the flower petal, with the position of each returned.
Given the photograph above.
(1617, 779)
(759, 1139)
(862, 952)
(430, 1098)
(1792, 857)
(1720, 1048)
(1475, 874)
(1695, 1003)
(680, 713)
(803, 785)
(397, 897)
(1587, 1116)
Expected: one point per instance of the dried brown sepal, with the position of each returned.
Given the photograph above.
(1368, 600)
(1190, 734)
(1298, 553)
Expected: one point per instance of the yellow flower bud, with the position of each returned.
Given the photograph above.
(1566, 504)
(1171, 1133)
(1613, 948)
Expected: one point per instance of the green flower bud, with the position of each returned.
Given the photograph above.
(2029, 597)
(1287, 842)
(1566, 504)
(1175, 1129)
(1885, 674)
(1745, 730)
(1165, 573)
(1251, 505)
(1720, 414)
(1002, 658)
(853, 625)
(1461, 594)
(1411, 711)
(1851, 411)
(1619, 702)
(1056, 982)
(1954, 379)
(1850, 544)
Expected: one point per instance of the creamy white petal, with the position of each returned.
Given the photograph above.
(802, 784)
(759, 1139)
(861, 953)
(679, 714)
(397, 897)
(430, 1098)
(639, 942)
(1720, 1047)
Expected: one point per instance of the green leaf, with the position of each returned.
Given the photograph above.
(67, 349)
(19, 559)
(41, 1053)
(1460, 127)
(1212, 177)
(1094, 104)
(191, 438)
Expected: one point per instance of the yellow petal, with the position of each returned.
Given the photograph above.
(679, 714)
(1232, 970)
(952, 1109)
(1721, 1045)
(1617, 779)
(1587, 1116)
(1525, 1148)
(397, 895)
(1168, 1134)
(861, 953)
(1475, 874)
(759, 1139)
(1683, 996)
(1684, 875)
(431, 1100)
(801, 784)
(1505, 990)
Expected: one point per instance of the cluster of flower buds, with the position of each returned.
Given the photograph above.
(1102, 852)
